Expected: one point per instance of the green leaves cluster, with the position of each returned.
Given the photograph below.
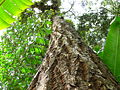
(22, 49)
(113, 6)
(93, 28)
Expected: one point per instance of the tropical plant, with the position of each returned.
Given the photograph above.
(111, 55)
(9, 9)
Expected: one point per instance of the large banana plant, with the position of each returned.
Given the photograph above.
(10, 9)
(111, 54)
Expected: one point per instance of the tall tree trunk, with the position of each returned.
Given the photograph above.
(71, 65)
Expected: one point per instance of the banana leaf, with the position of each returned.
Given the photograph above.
(111, 54)
(9, 9)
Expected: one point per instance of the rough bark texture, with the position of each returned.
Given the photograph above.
(71, 65)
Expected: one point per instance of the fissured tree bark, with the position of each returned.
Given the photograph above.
(71, 65)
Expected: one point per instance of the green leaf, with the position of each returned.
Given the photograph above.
(11, 8)
(5, 16)
(100, 54)
(32, 50)
(111, 55)
(1, 1)
(20, 4)
(48, 22)
(37, 50)
(18, 50)
(3, 24)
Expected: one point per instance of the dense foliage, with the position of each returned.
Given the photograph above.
(22, 49)
(93, 28)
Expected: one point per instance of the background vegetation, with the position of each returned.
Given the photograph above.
(22, 49)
